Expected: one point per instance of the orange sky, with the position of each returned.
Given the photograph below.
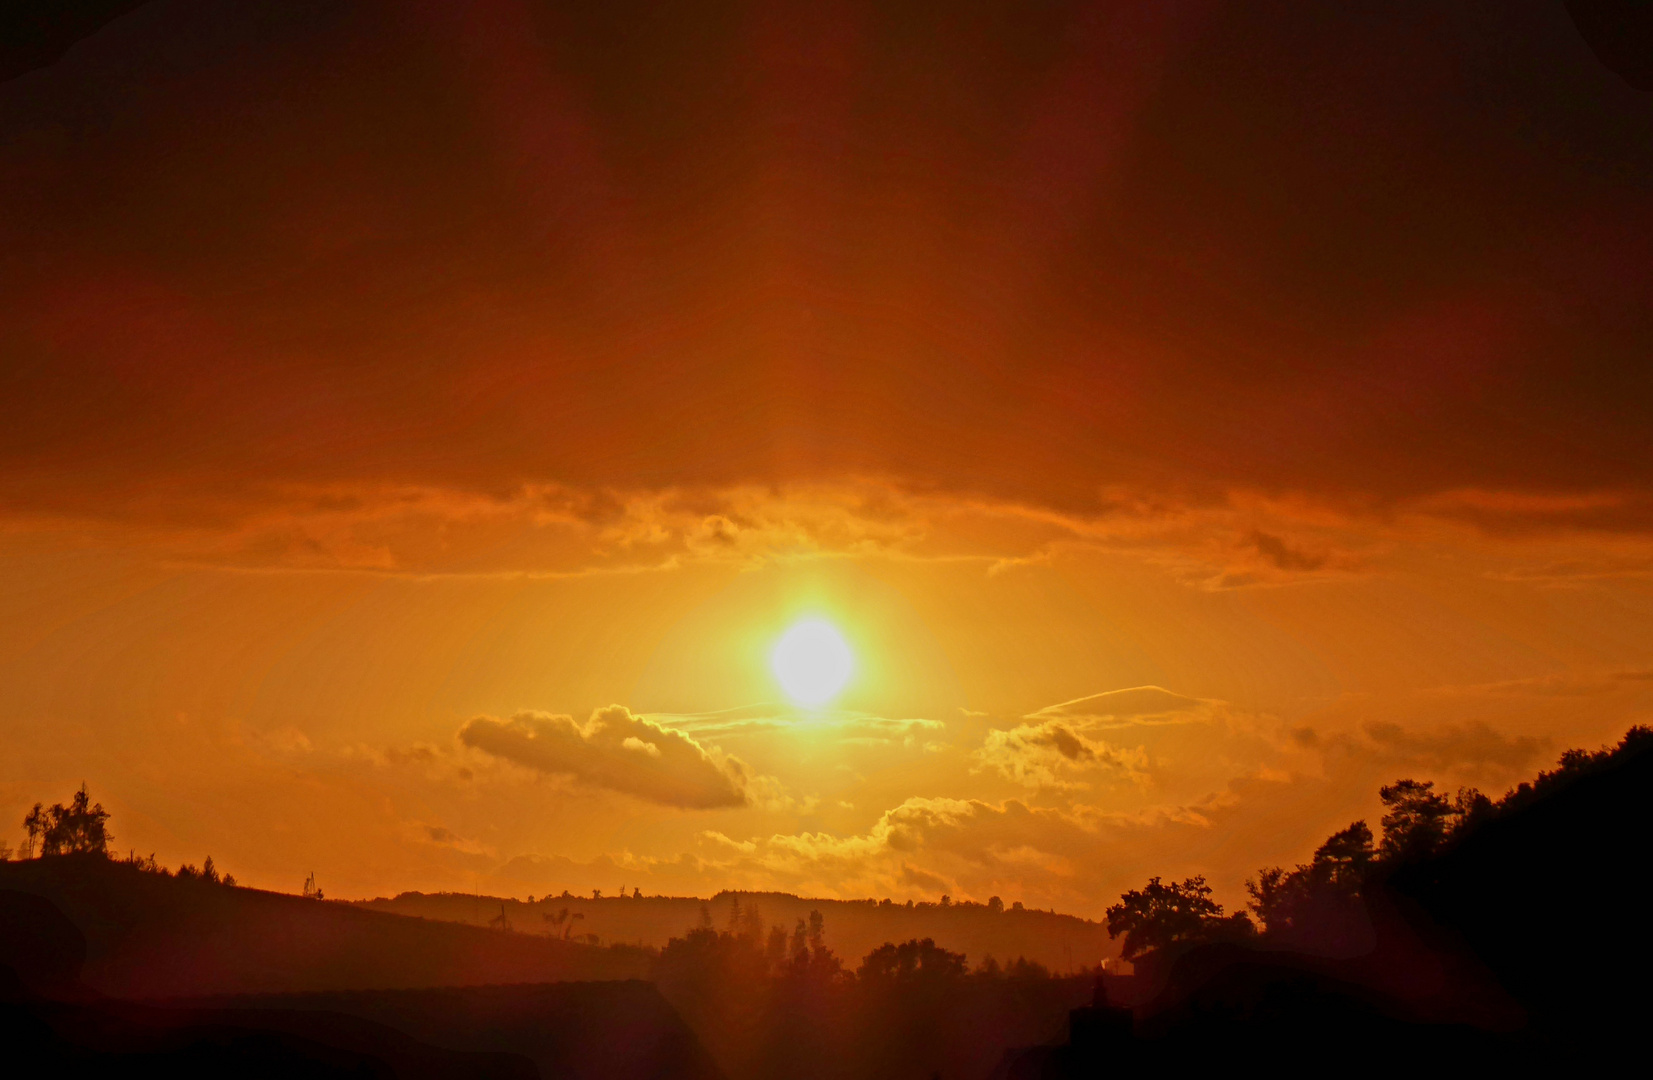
(1192, 416)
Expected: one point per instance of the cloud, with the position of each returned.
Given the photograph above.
(417, 754)
(1074, 856)
(922, 879)
(1238, 538)
(1283, 555)
(443, 837)
(1567, 685)
(1048, 754)
(848, 726)
(1525, 513)
(1079, 856)
(1469, 748)
(619, 751)
(1136, 705)
(944, 839)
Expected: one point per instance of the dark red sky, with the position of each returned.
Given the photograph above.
(1027, 249)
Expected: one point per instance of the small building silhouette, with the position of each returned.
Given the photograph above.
(1100, 1034)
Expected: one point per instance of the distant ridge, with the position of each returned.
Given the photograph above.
(853, 927)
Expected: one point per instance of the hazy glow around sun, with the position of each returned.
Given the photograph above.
(812, 662)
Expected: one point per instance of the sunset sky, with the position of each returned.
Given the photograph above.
(419, 423)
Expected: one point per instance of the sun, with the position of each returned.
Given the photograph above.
(812, 662)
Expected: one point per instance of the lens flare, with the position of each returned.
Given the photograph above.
(812, 662)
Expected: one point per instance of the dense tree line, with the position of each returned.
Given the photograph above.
(1319, 905)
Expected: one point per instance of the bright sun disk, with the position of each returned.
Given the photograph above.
(812, 662)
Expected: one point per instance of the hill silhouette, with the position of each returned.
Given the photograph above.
(152, 936)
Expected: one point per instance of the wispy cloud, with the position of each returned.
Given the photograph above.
(1118, 708)
(844, 725)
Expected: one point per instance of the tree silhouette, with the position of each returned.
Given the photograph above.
(1317, 905)
(911, 961)
(1158, 916)
(751, 924)
(1418, 819)
(1345, 856)
(81, 828)
(811, 960)
(800, 941)
(1023, 968)
(775, 950)
(1576, 764)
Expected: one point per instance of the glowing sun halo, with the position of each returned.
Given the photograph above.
(812, 662)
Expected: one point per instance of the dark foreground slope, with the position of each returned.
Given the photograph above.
(1517, 947)
(50, 1019)
(112, 1038)
(583, 1031)
(149, 935)
(912, 1029)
